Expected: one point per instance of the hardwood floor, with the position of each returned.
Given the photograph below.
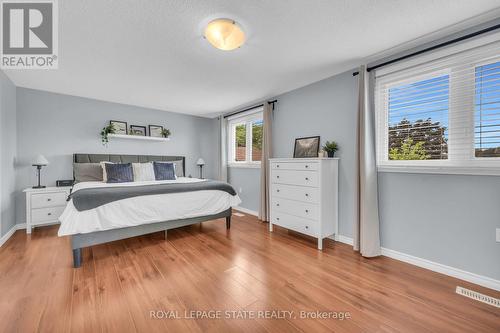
(205, 267)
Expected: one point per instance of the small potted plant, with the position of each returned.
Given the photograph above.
(330, 148)
(110, 129)
(165, 132)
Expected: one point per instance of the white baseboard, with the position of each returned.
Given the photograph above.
(443, 269)
(344, 239)
(19, 226)
(434, 266)
(247, 211)
(9, 234)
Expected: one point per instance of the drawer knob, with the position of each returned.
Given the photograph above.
(278, 204)
(277, 165)
(277, 190)
(307, 178)
(49, 199)
(307, 194)
(49, 214)
(277, 219)
(307, 227)
(307, 166)
(307, 210)
(277, 176)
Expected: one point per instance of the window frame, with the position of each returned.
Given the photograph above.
(248, 119)
(457, 163)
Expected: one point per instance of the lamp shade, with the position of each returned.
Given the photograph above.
(224, 34)
(200, 161)
(40, 160)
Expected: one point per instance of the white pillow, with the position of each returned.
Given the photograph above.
(104, 174)
(143, 172)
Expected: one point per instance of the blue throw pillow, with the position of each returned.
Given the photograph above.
(164, 171)
(119, 173)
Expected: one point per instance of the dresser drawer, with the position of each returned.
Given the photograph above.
(291, 177)
(48, 199)
(299, 193)
(301, 209)
(295, 223)
(41, 215)
(314, 166)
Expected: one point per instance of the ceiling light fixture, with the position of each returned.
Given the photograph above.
(224, 34)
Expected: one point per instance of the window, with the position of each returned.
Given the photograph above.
(418, 120)
(487, 115)
(441, 113)
(245, 140)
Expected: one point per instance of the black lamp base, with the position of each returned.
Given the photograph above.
(201, 171)
(38, 168)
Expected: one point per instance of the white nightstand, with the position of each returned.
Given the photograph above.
(44, 205)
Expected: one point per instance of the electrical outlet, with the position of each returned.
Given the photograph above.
(498, 234)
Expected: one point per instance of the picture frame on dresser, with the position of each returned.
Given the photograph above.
(307, 147)
(45, 205)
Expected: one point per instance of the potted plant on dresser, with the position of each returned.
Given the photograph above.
(330, 147)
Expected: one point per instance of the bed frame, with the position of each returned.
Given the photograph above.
(80, 241)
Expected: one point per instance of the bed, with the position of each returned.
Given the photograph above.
(99, 212)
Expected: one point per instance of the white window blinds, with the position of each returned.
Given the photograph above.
(441, 111)
(487, 110)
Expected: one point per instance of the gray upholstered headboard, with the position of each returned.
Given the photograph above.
(96, 158)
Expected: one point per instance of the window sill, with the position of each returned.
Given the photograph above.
(448, 170)
(244, 165)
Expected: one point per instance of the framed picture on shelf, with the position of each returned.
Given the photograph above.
(137, 130)
(156, 131)
(306, 147)
(119, 126)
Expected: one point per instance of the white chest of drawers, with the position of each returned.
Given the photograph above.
(45, 205)
(304, 196)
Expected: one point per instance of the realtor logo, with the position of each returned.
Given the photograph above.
(29, 34)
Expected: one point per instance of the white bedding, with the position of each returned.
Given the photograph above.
(143, 209)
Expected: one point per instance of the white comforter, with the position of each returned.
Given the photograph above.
(143, 209)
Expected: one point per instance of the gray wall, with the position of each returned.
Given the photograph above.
(246, 181)
(57, 126)
(324, 108)
(7, 153)
(449, 219)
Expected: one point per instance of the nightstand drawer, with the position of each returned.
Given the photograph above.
(41, 215)
(40, 200)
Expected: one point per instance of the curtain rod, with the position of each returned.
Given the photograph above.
(431, 48)
(250, 108)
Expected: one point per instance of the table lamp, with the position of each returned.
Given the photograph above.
(39, 162)
(200, 163)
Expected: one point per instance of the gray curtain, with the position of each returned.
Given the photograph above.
(267, 153)
(222, 150)
(366, 224)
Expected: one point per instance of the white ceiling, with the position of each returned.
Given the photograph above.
(152, 54)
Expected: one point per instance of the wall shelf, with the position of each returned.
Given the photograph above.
(137, 137)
